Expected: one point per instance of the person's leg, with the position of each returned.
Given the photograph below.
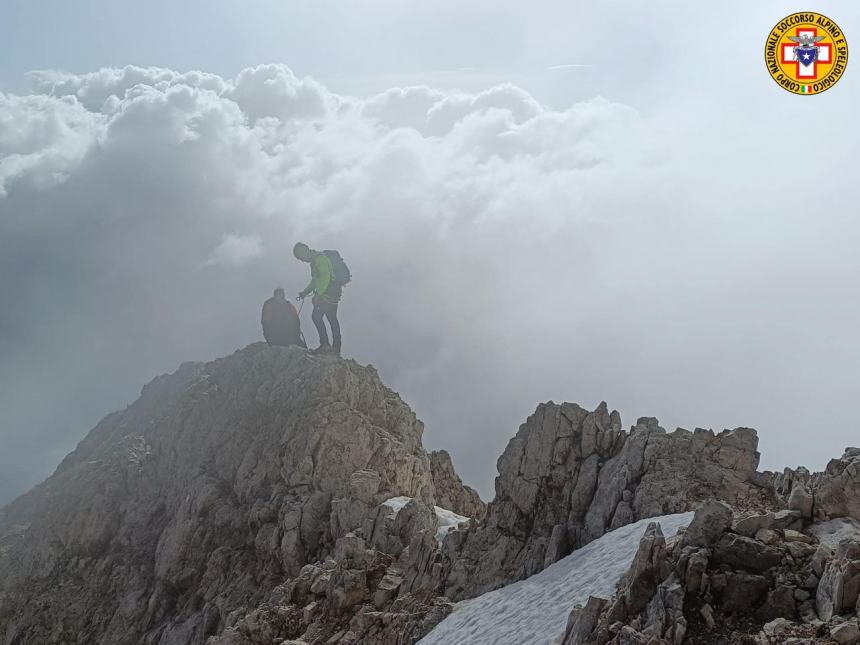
(331, 314)
(317, 317)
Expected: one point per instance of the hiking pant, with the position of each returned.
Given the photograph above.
(327, 310)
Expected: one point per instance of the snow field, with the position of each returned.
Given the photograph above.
(445, 520)
(535, 611)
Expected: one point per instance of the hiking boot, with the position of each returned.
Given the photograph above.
(322, 349)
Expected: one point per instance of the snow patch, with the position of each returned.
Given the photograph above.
(446, 520)
(830, 533)
(397, 503)
(535, 610)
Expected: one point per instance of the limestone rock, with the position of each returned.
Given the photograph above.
(278, 497)
(768, 536)
(723, 588)
(777, 628)
(790, 535)
(838, 492)
(196, 501)
(708, 614)
(780, 603)
(787, 519)
(750, 524)
(839, 587)
(583, 622)
(346, 588)
(558, 545)
(388, 587)
(451, 493)
(847, 632)
(664, 616)
(744, 553)
(801, 500)
(570, 475)
(709, 523)
(648, 569)
(743, 592)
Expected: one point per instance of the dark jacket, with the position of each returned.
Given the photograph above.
(281, 324)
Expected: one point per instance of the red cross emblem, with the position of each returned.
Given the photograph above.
(805, 72)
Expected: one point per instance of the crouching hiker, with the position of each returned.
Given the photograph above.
(329, 275)
(280, 320)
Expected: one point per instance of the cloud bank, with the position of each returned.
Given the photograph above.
(504, 253)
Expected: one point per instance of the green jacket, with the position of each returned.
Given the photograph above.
(322, 275)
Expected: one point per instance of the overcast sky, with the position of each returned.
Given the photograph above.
(543, 200)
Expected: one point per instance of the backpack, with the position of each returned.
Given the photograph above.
(342, 274)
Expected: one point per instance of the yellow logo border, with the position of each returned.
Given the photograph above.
(838, 49)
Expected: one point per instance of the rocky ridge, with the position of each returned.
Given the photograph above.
(570, 475)
(174, 516)
(754, 578)
(278, 497)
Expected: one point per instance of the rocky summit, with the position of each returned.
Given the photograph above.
(275, 497)
(176, 515)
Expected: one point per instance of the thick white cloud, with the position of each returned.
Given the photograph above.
(43, 138)
(93, 89)
(274, 91)
(236, 250)
(504, 252)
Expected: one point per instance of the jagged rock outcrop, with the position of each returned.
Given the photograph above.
(718, 586)
(355, 596)
(837, 490)
(274, 497)
(451, 493)
(180, 514)
(833, 493)
(570, 475)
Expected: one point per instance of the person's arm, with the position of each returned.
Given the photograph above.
(264, 318)
(304, 292)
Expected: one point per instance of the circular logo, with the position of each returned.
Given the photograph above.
(806, 53)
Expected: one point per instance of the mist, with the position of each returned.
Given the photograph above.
(684, 254)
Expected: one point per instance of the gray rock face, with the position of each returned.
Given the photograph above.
(570, 475)
(750, 524)
(648, 569)
(847, 632)
(701, 590)
(838, 491)
(583, 622)
(839, 588)
(180, 513)
(451, 493)
(832, 494)
(801, 500)
(240, 502)
(711, 520)
(745, 553)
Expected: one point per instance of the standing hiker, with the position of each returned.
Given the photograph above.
(329, 274)
(280, 320)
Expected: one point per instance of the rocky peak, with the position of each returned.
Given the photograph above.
(833, 493)
(200, 497)
(570, 475)
(751, 578)
(451, 493)
(277, 497)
